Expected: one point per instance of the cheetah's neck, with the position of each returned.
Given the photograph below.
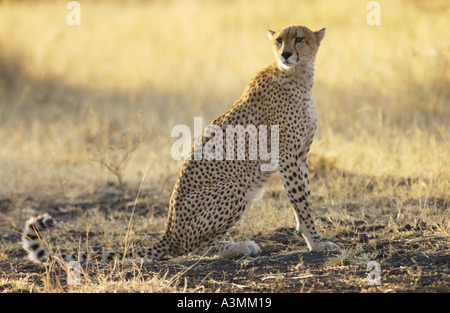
(301, 75)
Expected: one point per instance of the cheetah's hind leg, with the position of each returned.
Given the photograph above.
(222, 206)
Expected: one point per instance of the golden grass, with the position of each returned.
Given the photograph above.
(74, 98)
(381, 91)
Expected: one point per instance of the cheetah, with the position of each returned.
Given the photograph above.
(210, 195)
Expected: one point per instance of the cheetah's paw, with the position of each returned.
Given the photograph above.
(250, 248)
(232, 250)
(323, 246)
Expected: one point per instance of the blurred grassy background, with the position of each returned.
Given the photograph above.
(72, 97)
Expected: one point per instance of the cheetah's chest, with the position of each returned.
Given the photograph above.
(309, 120)
(299, 119)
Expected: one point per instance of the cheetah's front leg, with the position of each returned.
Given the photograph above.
(294, 174)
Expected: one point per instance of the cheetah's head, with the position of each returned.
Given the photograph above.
(294, 45)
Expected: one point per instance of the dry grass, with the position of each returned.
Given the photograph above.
(85, 107)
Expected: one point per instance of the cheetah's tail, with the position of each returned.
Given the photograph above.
(31, 242)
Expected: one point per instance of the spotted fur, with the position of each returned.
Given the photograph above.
(210, 196)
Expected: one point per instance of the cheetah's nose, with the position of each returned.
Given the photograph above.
(286, 54)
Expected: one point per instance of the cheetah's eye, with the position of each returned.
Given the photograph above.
(279, 41)
(299, 39)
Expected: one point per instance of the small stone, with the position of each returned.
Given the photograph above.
(408, 227)
(363, 238)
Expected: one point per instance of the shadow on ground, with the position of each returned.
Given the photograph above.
(414, 258)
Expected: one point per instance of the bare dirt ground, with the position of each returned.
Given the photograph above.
(413, 257)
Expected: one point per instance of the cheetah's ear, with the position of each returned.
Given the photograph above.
(319, 35)
(270, 34)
